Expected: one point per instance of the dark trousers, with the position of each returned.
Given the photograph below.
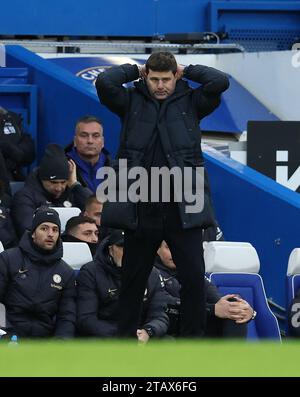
(159, 223)
(224, 328)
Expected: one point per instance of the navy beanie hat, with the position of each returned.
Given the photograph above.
(116, 238)
(54, 164)
(45, 214)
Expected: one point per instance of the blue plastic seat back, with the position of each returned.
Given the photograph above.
(292, 286)
(250, 287)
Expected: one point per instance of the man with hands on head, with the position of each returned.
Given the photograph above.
(160, 118)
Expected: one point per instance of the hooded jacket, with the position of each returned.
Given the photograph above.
(98, 291)
(33, 195)
(38, 291)
(176, 120)
(8, 236)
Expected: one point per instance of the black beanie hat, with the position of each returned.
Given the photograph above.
(54, 164)
(45, 214)
(116, 238)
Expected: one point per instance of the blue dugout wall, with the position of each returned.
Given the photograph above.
(252, 207)
(148, 17)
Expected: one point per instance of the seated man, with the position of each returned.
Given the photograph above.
(36, 286)
(88, 152)
(226, 316)
(93, 209)
(53, 184)
(16, 146)
(98, 291)
(82, 229)
(8, 235)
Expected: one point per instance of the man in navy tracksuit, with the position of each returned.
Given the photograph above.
(88, 152)
(36, 286)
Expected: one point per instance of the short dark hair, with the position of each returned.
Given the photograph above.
(162, 61)
(75, 221)
(88, 119)
(91, 200)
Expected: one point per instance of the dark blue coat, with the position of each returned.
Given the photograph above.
(176, 120)
(38, 291)
(33, 195)
(87, 172)
(98, 286)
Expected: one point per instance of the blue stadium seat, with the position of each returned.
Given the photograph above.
(233, 268)
(65, 213)
(76, 254)
(292, 280)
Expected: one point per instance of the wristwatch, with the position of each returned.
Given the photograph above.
(149, 331)
(253, 315)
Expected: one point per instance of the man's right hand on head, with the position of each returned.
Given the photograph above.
(142, 71)
(180, 71)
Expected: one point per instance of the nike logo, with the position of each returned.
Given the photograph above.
(112, 290)
(23, 270)
(52, 176)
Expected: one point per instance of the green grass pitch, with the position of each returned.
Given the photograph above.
(107, 358)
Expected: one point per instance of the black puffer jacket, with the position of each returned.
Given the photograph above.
(98, 290)
(8, 236)
(176, 120)
(33, 195)
(17, 147)
(38, 291)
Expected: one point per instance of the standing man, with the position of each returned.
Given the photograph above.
(160, 117)
(88, 152)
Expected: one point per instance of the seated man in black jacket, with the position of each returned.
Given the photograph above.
(226, 316)
(36, 286)
(16, 146)
(53, 184)
(98, 291)
(8, 235)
